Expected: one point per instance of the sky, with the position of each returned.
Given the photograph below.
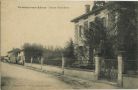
(49, 26)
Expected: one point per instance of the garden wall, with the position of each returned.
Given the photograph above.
(85, 74)
(130, 82)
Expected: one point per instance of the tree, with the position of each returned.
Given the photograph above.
(52, 56)
(69, 53)
(95, 37)
(33, 50)
(125, 25)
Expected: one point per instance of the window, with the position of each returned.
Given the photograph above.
(76, 33)
(81, 50)
(76, 30)
(104, 21)
(80, 31)
(86, 25)
(90, 25)
(76, 27)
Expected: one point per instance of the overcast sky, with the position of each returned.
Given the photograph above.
(46, 26)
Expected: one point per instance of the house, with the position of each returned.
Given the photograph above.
(83, 23)
(12, 55)
(4, 58)
(16, 56)
(120, 37)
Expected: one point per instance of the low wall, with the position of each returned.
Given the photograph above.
(46, 67)
(89, 74)
(130, 82)
(52, 68)
(80, 74)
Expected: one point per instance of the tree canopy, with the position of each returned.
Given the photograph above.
(95, 35)
(33, 50)
(69, 53)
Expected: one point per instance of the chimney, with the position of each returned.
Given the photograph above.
(87, 8)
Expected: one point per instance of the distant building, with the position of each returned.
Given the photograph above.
(12, 55)
(4, 58)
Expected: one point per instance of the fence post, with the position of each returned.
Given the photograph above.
(42, 59)
(63, 64)
(31, 61)
(24, 60)
(97, 66)
(120, 69)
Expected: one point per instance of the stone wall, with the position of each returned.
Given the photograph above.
(130, 82)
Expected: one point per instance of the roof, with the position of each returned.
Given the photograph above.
(21, 50)
(10, 51)
(89, 13)
(14, 50)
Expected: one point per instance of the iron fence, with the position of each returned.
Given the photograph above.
(108, 69)
(131, 67)
(83, 64)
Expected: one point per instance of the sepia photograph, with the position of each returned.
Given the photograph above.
(68, 44)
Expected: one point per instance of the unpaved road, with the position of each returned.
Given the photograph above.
(18, 78)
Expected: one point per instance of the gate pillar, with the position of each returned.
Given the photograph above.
(120, 68)
(23, 57)
(63, 64)
(42, 60)
(97, 66)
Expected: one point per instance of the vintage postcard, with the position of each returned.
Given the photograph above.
(69, 44)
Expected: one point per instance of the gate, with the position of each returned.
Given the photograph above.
(108, 70)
